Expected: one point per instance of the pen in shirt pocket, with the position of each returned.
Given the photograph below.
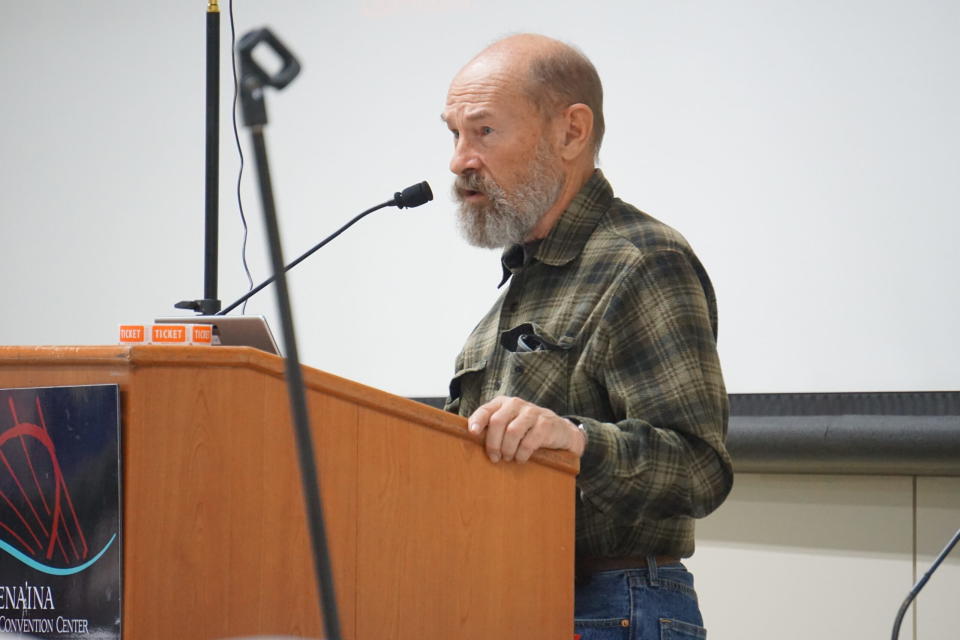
(527, 342)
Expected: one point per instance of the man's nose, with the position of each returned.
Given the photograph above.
(464, 159)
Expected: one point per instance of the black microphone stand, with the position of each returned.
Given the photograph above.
(209, 304)
(253, 81)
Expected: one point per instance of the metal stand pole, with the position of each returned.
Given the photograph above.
(210, 304)
(252, 83)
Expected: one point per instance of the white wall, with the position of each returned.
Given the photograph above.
(795, 557)
(807, 149)
(937, 519)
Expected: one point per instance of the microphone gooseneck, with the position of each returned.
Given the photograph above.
(412, 196)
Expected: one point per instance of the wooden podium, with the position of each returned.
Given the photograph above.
(428, 538)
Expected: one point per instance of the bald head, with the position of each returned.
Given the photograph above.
(551, 74)
(526, 118)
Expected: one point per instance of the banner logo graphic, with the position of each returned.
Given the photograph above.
(39, 525)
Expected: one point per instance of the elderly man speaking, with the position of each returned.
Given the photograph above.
(603, 343)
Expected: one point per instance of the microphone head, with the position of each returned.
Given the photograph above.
(413, 196)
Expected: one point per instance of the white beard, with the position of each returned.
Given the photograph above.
(508, 218)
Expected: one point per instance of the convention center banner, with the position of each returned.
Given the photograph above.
(60, 512)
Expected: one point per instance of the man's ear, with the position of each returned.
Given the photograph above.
(577, 123)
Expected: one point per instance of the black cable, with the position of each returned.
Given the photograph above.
(920, 583)
(249, 294)
(236, 138)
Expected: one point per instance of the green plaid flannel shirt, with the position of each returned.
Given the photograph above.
(622, 320)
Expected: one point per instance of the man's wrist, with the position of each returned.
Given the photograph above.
(583, 437)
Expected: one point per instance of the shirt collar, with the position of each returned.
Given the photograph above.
(517, 257)
(569, 234)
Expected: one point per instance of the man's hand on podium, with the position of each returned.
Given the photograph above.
(516, 428)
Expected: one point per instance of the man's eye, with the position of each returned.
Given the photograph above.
(486, 131)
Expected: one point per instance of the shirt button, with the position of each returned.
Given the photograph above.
(518, 369)
(624, 623)
(497, 383)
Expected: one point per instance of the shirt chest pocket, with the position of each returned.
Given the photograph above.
(541, 376)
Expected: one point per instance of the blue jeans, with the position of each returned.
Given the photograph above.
(657, 603)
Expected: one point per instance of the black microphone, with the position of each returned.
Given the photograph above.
(412, 196)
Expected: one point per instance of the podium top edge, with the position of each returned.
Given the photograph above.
(145, 356)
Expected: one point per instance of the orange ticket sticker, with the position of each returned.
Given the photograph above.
(133, 333)
(201, 333)
(169, 334)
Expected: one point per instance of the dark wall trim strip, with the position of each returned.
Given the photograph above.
(433, 402)
(883, 433)
(894, 403)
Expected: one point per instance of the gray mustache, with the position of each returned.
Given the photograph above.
(471, 182)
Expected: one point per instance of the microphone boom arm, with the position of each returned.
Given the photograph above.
(319, 245)
(412, 196)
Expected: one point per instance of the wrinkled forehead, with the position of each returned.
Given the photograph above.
(487, 85)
